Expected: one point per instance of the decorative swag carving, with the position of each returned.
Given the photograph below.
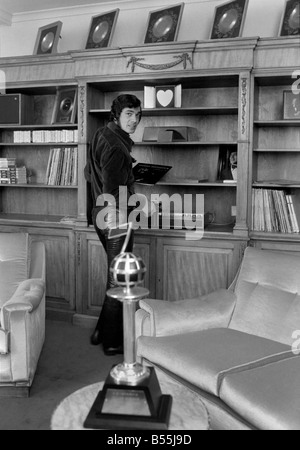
(184, 58)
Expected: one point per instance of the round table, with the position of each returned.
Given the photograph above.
(188, 411)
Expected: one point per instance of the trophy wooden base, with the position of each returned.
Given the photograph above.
(131, 407)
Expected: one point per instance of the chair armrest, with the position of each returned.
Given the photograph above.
(26, 298)
(185, 316)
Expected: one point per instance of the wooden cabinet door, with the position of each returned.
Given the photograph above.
(91, 274)
(60, 268)
(190, 269)
(92, 270)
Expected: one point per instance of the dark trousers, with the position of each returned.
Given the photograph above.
(110, 322)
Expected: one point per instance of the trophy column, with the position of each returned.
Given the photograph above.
(129, 372)
(131, 397)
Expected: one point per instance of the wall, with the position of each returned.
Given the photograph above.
(263, 19)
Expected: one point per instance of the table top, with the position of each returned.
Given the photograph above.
(188, 411)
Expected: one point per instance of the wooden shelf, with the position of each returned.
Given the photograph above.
(44, 220)
(39, 127)
(267, 185)
(275, 236)
(39, 144)
(218, 184)
(277, 123)
(222, 110)
(276, 150)
(184, 143)
(35, 186)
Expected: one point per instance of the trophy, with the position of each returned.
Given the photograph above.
(131, 397)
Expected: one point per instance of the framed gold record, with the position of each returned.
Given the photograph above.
(163, 24)
(229, 19)
(65, 107)
(101, 29)
(47, 39)
(290, 23)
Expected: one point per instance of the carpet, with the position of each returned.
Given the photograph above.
(68, 362)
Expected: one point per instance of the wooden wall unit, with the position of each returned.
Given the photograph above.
(232, 93)
(275, 140)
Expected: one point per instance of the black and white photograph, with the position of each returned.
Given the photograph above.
(149, 218)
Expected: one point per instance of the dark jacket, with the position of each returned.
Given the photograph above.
(109, 163)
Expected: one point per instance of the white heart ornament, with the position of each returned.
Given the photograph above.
(165, 97)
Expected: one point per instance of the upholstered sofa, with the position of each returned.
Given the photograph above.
(22, 311)
(237, 348)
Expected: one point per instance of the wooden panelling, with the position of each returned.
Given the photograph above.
(91, 274)
(188, 270)
(60, 265)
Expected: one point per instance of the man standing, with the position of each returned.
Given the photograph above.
(109, 166)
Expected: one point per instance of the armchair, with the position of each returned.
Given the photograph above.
(22, 311)
(235, 348)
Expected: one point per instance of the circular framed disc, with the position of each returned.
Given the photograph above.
(162, 26)
(66, 106)
(228, 21)
(47, 42)
(294, 19)
(100, 32)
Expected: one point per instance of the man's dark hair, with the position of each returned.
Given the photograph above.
(121, 102)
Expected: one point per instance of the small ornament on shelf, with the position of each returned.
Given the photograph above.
(228, 167)
(163, 96)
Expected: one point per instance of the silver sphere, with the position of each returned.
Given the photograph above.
(128, 270)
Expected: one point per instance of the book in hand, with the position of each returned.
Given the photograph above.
(149, 174)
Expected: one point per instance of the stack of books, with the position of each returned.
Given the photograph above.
(274, 211)
(21, 173)
(62, 167)
(10, 173)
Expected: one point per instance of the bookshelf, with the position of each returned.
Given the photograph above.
(275, 156)
(31, 145)
(209, 104)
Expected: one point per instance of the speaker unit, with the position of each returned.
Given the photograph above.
(16, 109)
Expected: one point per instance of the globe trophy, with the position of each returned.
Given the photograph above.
(131, 397)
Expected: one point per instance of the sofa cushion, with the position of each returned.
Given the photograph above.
(203, 357)
(267, 290)
(269, 312)
(268, 397)
(14, 263)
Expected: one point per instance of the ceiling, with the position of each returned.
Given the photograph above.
(21, 6)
